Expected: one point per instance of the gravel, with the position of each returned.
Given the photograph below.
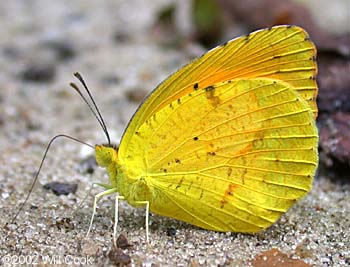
(61, 37)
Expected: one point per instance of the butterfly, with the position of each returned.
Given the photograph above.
(226, 143)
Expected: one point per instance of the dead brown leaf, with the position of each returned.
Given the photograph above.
(274, 257)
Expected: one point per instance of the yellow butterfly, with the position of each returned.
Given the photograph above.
(226, 143)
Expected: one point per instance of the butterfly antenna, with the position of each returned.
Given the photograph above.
(98, 116)
(75, 87)
(41, 164)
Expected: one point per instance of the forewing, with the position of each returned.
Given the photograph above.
(283, 53)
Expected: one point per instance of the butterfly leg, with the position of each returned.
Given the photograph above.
(147, 213)
(97, 198)
(116, 218)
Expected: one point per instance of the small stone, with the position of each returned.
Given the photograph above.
(33, 207)
(62, 49)
(122, 242)
(88, 165)
(171, 231)
(39, 72)
(118, 257)
(136, 95)
(61, 188)
(122, 37)
(65, 223)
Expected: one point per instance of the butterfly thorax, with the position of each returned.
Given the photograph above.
(134, 189)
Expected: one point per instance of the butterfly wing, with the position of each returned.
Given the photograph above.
(233, 156)
(283, 53)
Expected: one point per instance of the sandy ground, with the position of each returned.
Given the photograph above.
(52, 227)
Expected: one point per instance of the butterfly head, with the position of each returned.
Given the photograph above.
(106, 154)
